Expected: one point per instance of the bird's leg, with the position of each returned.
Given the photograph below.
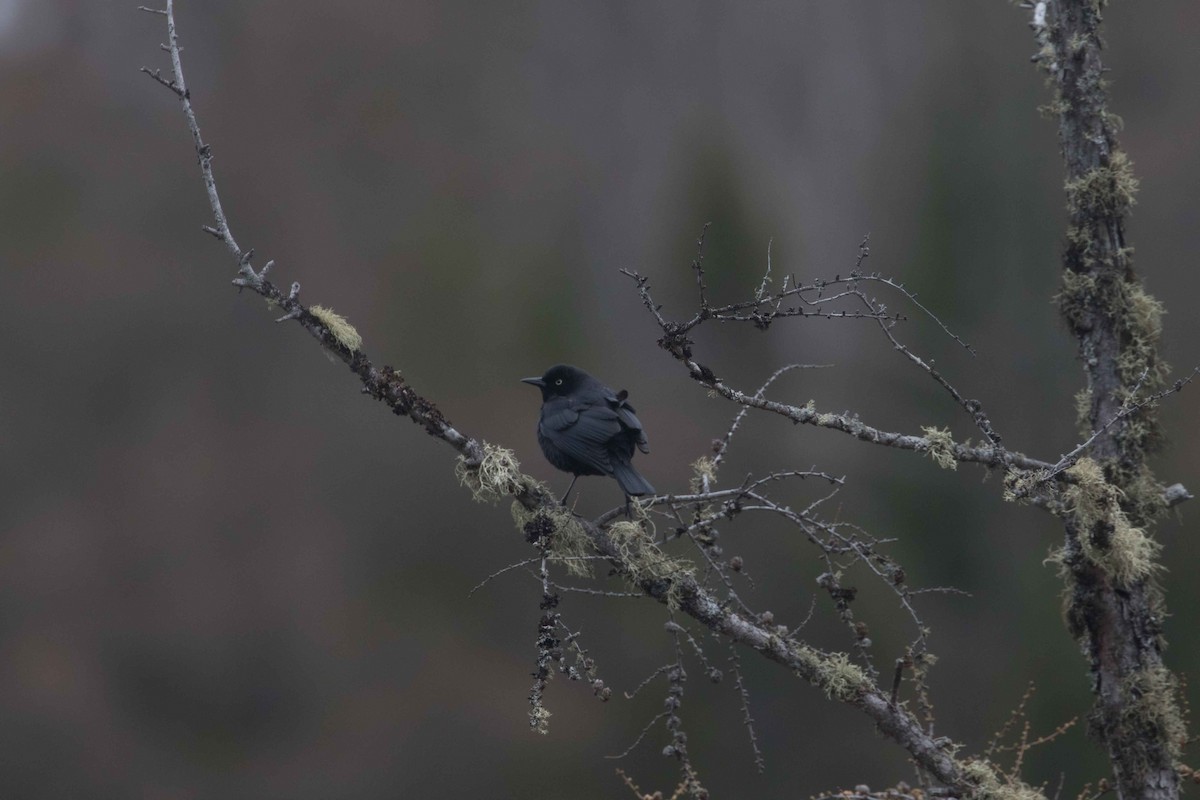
(569, 488)
(628, 511)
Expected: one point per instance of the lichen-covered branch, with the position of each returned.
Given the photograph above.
(331, 330)
(1109, 558)
(938, 445)
(491, 472)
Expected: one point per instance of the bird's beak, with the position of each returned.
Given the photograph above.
(538, 382)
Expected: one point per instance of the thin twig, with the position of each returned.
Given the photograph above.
(739, 683)
(501, 571)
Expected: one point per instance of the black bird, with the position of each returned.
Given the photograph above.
(588, 429)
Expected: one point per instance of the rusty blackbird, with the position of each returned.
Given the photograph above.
(588, 429)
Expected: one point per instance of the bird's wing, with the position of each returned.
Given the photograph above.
(628, 419)
(558, 416)
(583, 430)
(590, 438)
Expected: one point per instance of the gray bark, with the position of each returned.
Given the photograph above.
(1116, 617)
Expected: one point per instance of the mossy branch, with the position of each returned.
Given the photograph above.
(1109, 558)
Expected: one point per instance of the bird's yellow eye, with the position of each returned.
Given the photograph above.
(558, 382)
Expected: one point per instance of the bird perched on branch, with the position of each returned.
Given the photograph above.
(588, 429)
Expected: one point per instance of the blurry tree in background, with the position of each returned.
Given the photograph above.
(221, 576)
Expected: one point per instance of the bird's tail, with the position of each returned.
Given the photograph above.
(631, 481)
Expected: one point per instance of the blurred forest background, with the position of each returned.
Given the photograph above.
(223, 573)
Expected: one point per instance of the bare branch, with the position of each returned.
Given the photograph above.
(698, 267)
(594, 592)
(973, 407)
(649, 726)
(721, 446)
(501, 571)
(157, 75)
(678, 345)
(747, 720)
(179, 86)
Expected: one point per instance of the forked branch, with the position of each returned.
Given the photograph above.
(830, 672)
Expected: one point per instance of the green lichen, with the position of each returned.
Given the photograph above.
(338, 326)
(643, 561)
(1152, 702)
(1106, 536)
(539, 720)
(940, 447)
(1146, 312)
(993, 784)
(1017, 484)
(498, 474)
(566, 542)
(1144, 494)
(1108, 295)
(1142, 329)
(1077, 300)
(1086, 300)
(835, 673)
(703, 468)
(1109, 189)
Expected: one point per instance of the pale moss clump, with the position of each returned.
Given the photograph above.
(566, 542)
(995, 785)
(539, 720)
(1106, 189)
(703, 468)
(827, 420)
(1153, 695)
(836, 674)
(1146, 312)
(644, 561)
(941, 447)
(339, 326)
(497, 475)
(1144, 494)
(1077, 297)
(1130, 554)
(1019, 484)
(1143, 325)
